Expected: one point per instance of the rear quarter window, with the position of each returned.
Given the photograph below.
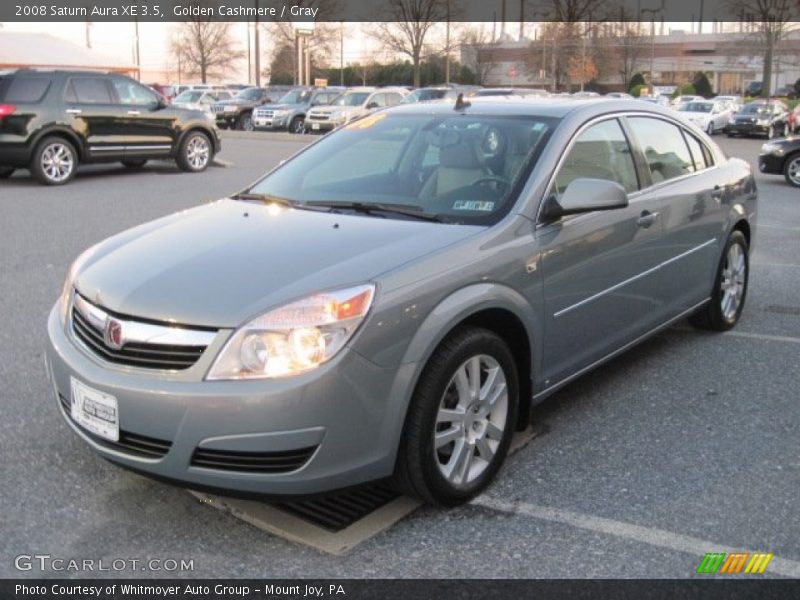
(23, 89)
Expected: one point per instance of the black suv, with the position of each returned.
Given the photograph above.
(52, 120)
(237, 112)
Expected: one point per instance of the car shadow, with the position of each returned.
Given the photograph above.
(23, 178)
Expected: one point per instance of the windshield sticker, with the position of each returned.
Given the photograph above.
(478, 205)
(367, 122)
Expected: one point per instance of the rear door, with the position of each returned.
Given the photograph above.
(689, 187)
(149, 127)
(599, 268)
(93, 113)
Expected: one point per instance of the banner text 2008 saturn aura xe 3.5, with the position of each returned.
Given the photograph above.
(390, 301)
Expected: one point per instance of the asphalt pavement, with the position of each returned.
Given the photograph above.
(685, 445)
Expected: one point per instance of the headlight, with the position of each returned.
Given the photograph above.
(339, 117)
(280, 113)
(763, 121)
(66, 290)
(295, 337)
(772, 149)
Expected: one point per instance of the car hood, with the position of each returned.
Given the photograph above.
(329, 110)
(221, 264)
(233, 102)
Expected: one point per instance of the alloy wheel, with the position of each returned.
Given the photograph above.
(197, 152)
(734, 276)
(57, 162)
(471, 420)
(793, 170)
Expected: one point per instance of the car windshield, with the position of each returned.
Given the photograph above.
(295, 97)
(351, 99)
(461, 168)
(249, 94)
(700, 107)
(756, 109)
(423, 95)
(189, 96)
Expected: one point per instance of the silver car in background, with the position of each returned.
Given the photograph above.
(435, 270)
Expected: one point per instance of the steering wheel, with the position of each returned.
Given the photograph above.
(491, 179)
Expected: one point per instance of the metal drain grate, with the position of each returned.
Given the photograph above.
(783, 310)
(335, 512)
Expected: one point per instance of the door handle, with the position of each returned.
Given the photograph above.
(74, 111)
(134, 112)
(646, 219)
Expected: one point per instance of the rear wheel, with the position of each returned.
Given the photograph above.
(245, 122)
(791, 169)
(194, 153)
(6, 172)
(461, 419)
(54, 161)
(135, 164)
(730, 288)
(297, 125)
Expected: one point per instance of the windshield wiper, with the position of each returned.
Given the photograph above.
(265, 198)
(407, 210)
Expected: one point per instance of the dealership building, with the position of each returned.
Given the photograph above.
(730, 60)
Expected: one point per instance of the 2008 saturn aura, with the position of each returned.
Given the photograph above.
(392, 300)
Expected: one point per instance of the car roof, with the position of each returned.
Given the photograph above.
(531, 105)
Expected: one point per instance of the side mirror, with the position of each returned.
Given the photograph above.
(586, 195)
(372, 105)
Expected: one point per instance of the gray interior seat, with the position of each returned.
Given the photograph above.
(459, 165)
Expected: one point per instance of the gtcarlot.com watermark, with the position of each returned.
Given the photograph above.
(48, 562)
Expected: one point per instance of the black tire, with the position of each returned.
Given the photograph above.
(297, 125)
(711, 316)
(731, 134)
(791, 169)
(6, 172)
(49, 146)
(418, 472)
(187, 159)
(244, 122)
(135, 164)
(710, 128)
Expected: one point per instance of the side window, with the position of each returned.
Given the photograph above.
(664, 148)
(25, 89)
(130, 92)
(393, 99)
(379, 99)
(600, 152)
(89, 90)
(699, 153)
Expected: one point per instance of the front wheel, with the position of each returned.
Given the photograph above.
(730, 288)
(297, 125)
(245, 122)
(461, 419)
(791, 169)
(710, 129)
(194, 153)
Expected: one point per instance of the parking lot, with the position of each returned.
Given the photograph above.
(688, 444)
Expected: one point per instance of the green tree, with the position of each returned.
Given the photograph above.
(636, 80)
(702, 85)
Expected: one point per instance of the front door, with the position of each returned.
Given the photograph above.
(148, 124)
(93, 113)
(599, 268)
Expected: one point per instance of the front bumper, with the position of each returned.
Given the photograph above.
(748, 128)
(347, 412)
(769, 163)
(274, 123)
(315, 125)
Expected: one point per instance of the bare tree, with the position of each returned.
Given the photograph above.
(474, 42)
(409, 23)
(204, 48)
(771, 20)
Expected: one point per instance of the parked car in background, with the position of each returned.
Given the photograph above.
(782, 157)
(237, 112)
(710, 116)
(585, 95)
(677, 101)
(621, 95)
(735, 102)
(753, 89)
(289, 112)
(352, 104)
(786, 91)
(444, 92)
(794, 119)
(510, 91)
(196, 99)
(437, 272)
(659, 100)
(166, 91)
(52, 121)
(761, 117)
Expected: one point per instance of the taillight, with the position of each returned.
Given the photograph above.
(6, 109)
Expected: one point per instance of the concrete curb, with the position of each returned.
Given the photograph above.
(276, 136)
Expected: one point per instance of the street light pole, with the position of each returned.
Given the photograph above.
(447, 48)
(652, 12)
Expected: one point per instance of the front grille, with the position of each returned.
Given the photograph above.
(252, 462)
(129, 443)
(314, 117)
(265, 114)
(217, 108)
(135, 354)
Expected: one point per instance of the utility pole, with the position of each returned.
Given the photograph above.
(138, 58)
(249, 57)
(257, 50)
(447, 48)
(88, 34)
(652, 12)
(341, 53)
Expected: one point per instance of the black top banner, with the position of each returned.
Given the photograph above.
(401, 10)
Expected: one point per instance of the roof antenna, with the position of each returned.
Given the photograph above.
(460, 103)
